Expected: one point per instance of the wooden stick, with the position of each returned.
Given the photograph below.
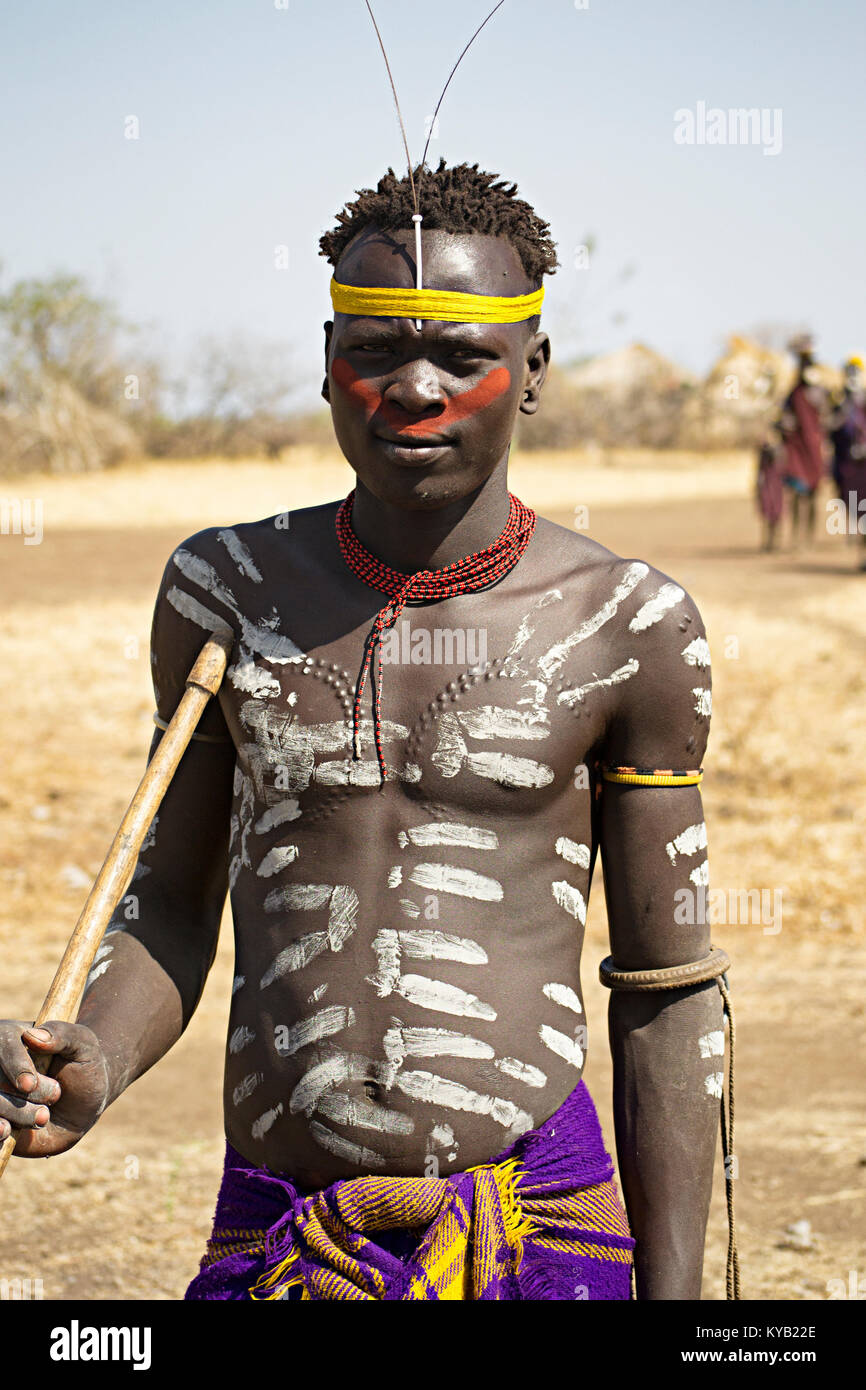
(112, 881)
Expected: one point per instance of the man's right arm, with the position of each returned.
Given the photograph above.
(154, 959)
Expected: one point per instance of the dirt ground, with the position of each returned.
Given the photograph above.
(126, 1214)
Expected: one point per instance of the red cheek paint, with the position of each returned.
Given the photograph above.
(364, 395)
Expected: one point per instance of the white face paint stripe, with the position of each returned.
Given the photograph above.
(443, 998)
(689, 841)
(655, 608)
(240, 554)
(564, 995)
(521, 1071)
(266, 1121)
(464, 883)
(579, 693)
(324, 1024)
(449, 833)
(571, 899)
(572, 852)
(344, 1148)
(714, 1084)
(697, 653)
(564, 1047)
(342, 1109)
(553, 660)
(712, 1044)
(277, 859)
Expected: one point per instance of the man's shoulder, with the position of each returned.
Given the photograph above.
(244, 546)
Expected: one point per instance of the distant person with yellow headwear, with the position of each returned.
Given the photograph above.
(848, 437)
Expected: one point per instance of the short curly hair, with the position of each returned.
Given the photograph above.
(457, 198)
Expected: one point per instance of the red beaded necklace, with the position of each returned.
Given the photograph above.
(466, 576)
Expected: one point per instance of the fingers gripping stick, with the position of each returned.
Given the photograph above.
(112, 881)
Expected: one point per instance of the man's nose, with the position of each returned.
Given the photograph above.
(416, 388)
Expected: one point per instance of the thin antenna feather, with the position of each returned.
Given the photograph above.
(397, 104)
(450, 76)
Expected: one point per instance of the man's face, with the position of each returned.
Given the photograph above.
(425, 415)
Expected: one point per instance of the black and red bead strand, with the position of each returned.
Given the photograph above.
(466, 576)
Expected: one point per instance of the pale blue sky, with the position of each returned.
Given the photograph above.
(257, 122)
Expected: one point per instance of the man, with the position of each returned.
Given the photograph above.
(409, 838)
(803, 434)
(848, 439)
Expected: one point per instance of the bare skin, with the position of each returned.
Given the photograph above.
(408, 955)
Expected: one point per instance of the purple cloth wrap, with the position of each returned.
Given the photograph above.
(565, 1153)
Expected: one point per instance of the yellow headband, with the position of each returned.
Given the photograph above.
(443, 305)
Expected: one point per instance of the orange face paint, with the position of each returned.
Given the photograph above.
(369, 399)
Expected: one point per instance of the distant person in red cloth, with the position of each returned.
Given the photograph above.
(848, 438)
(770, 487)
(803, 432)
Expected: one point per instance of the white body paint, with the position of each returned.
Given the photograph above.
(464, 883)
(449, 833)
(571, 899)
(247, 1086)
(438, 1090)
(564, 1046)
(521, 1071)
(266, 1121)
(714, 1083)
(697, 653)
(363, 1114)
(655, 608)
(324, 1024)
(442, 998)
(553, 660)
(564, 995)
(712, 1044)
(703, 701)
(580, 692)
(240, 554)
(241, 1038)
(276, 859)
(690, 841)
(344, 1148)
(572, 852)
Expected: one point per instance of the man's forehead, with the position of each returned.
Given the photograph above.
(466, 262)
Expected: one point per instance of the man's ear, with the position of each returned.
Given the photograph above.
(537, 363)
(326, 388)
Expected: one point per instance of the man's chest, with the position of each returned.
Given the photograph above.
(485, 705)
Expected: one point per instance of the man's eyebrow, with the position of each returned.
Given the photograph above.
(462, 334)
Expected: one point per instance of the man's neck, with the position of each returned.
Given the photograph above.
(419, 540)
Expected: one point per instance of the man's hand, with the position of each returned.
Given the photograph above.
(51, 1113)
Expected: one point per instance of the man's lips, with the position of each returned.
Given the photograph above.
(407, 440)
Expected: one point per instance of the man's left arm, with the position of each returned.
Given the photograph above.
(667, 1046)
